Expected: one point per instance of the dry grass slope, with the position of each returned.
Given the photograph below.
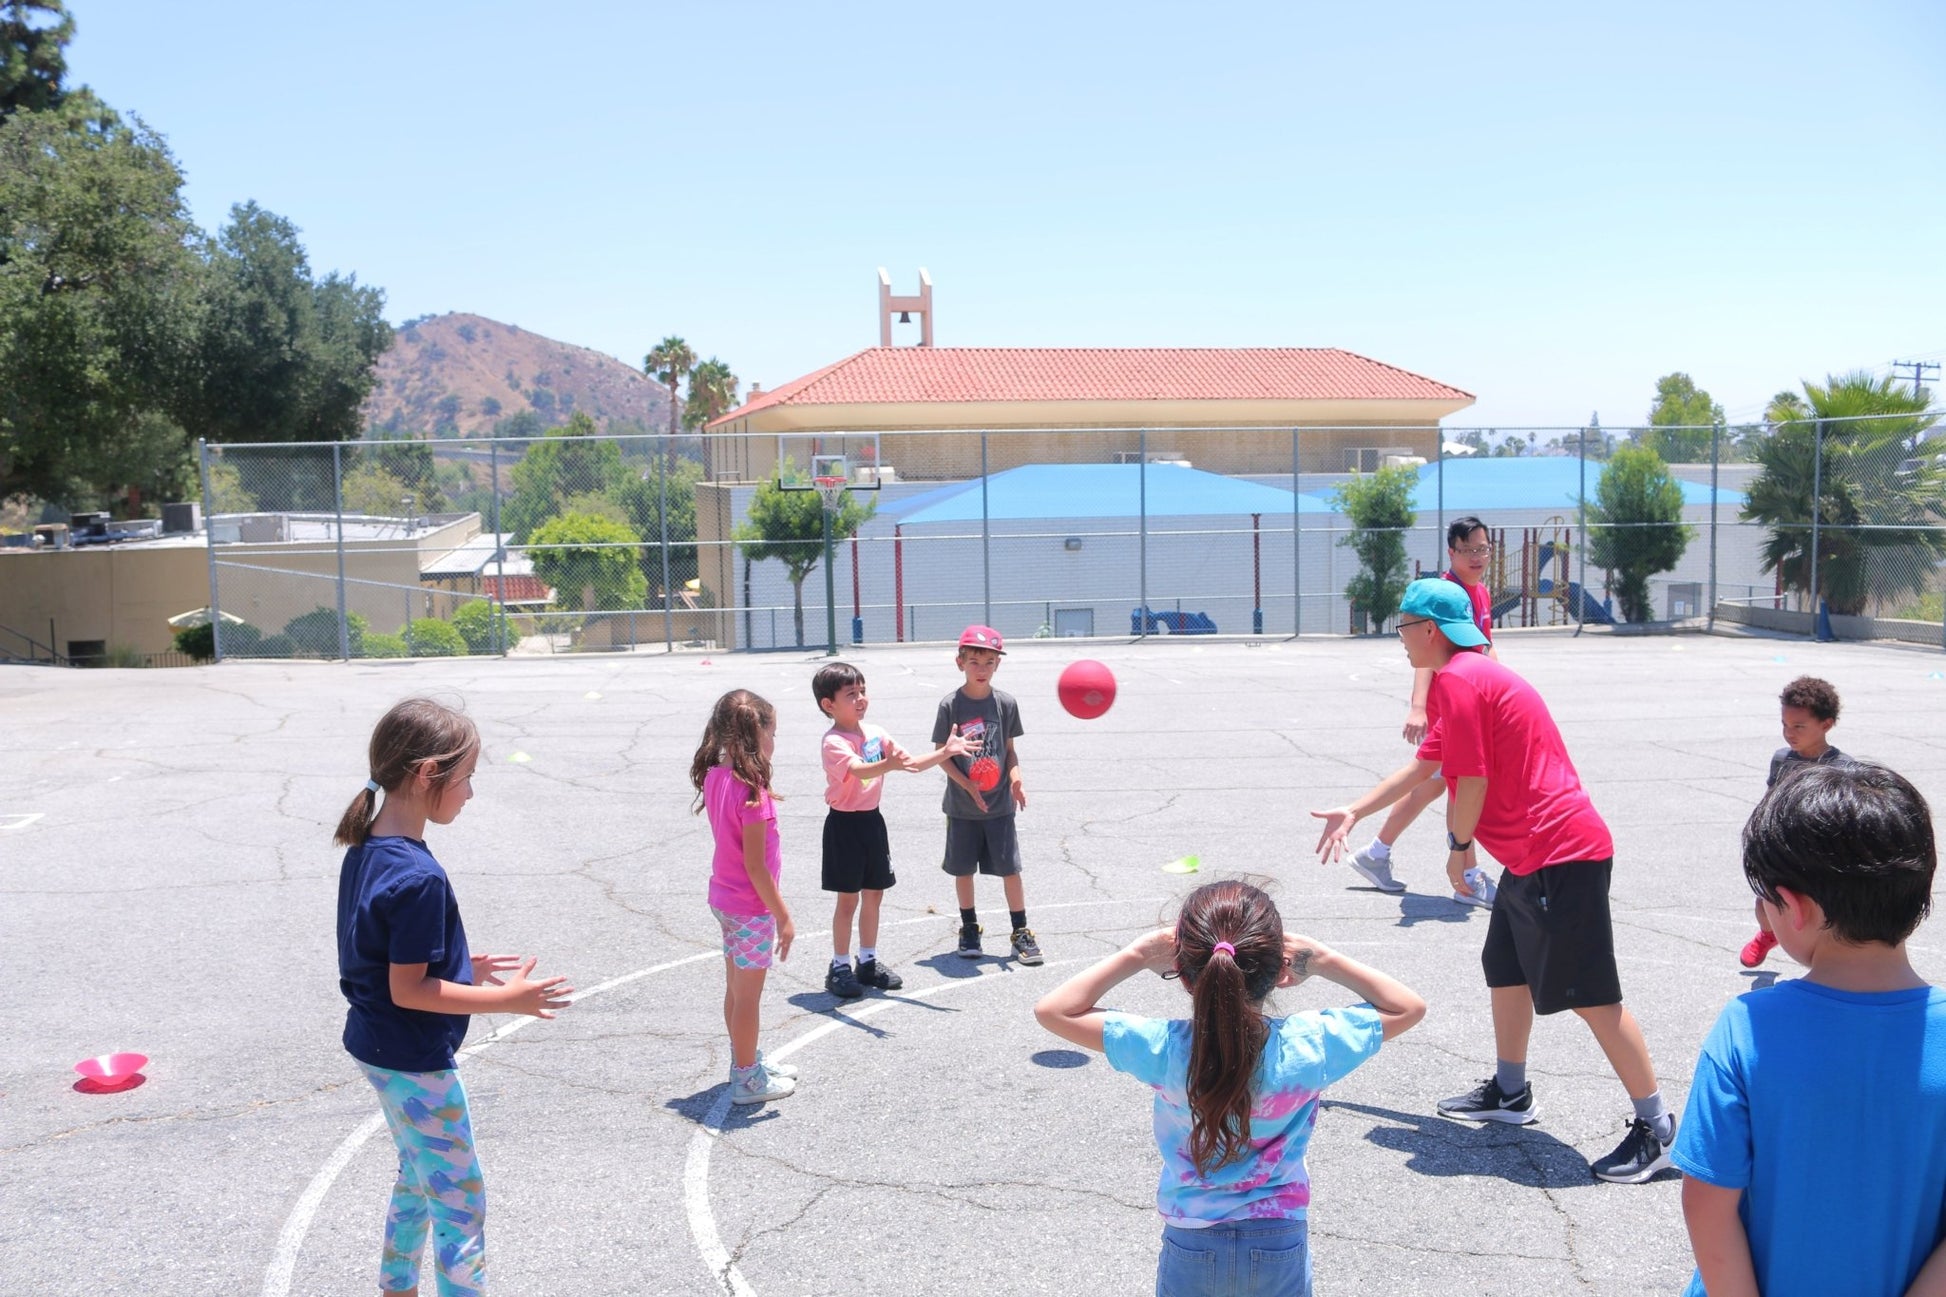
(457, 375)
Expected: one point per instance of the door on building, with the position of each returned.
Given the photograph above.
(1070, 623)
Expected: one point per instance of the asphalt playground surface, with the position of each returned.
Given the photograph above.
(167, 885)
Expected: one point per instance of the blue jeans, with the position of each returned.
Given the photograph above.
(1245, 1258)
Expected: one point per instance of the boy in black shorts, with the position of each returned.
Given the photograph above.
(857, 852)
(979, 810)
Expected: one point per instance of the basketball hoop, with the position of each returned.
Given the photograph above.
(829, 490)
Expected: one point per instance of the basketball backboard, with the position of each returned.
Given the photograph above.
(805, 456)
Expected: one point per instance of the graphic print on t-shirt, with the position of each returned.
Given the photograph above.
(982, 766)
(874, 750)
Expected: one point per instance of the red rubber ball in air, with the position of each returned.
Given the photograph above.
(1087, 689)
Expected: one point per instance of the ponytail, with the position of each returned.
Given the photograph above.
(416, 732)
(1230, 950)
(733, 738)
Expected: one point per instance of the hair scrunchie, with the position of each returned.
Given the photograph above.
(1225, 947)
(371, 786)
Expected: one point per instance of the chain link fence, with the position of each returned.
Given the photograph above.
(587, 543)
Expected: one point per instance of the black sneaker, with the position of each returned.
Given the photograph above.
(840, 981)
(1488, 1102)
(870, 973)
(1639, 1155)
(969, 941)
(1026, 949)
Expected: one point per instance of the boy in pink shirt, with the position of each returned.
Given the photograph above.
(1550, 944)
(857, 850)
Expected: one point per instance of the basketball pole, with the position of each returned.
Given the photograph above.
(830, 589)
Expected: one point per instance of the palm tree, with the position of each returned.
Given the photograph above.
(670, 362)
(712, 394)
(1879, 517)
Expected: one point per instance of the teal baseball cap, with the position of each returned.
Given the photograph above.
(1447, 605)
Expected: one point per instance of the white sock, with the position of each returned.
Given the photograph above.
(867, 954)
(841, 961)
(1378, 850)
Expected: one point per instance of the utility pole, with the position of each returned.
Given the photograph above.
(1920, 371)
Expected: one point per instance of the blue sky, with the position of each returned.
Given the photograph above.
(1548, 205)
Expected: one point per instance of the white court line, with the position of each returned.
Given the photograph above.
(22, 820)
(695, 1174)
(279, 1273)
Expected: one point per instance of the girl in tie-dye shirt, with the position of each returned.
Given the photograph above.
(1236, 1092)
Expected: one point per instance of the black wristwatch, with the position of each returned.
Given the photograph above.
(1454, 844)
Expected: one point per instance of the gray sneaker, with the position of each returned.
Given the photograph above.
(1483, 889)
(1375, 871)
(758, 1084)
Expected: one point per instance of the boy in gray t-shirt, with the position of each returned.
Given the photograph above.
(1810, 710)
(983, 791)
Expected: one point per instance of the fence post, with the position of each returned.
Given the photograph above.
(338, 505)
(499, 602)
(1581, 526)
(1297, 548)
(1817, 510)
(662, 512)
(986, 557)
(1439, 471)
(209, 543)
(1714, 429)
(1142, 528)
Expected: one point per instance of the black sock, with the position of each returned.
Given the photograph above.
(1019, 917)
(968, 918)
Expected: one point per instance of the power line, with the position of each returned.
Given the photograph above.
(1919, 369)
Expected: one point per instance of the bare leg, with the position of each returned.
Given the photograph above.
(1407, 808)
(746, 999)
(963, 889)
(1620, 1037)
(1513, 1022)
(868, 920)
(841, 924)
(1016, 895)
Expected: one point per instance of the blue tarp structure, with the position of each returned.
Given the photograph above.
(1100, 491)
(1543, 482)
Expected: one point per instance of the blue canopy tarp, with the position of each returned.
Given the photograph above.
(1100, 491)
(1542, 482)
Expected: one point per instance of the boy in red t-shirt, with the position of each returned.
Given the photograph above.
(1467, 553)
(1550, 944)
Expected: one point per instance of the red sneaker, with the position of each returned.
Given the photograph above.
(1756, 948)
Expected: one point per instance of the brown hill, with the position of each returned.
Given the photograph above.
(457, 375)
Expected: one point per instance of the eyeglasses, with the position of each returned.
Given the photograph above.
(1474, 551)
(1421, 621)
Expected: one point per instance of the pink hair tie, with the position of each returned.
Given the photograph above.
(1225, 947)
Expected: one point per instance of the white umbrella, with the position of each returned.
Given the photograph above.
(200, 617)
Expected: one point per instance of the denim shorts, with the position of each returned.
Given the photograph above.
(1243, 1258)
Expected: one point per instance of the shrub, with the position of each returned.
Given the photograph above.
(240, 639)
(274, 646)
(317, 632)
(380, 645)
(475, 621)
(434, 639)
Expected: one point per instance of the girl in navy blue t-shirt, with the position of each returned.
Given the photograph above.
(411, 983)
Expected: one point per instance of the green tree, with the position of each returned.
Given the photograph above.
(478, 623)
(371, 490)
(1635, 527)
(1680, 421)
(670, 361)
(98, 315)
(1879, 515)
(569, 462)
(283, 356)
(1379, 506)
(712, 394)
(641, 500)
(34, 35)
(227, 492)
(590, 561)
(316, 632)
(789, 527)
(428, 637)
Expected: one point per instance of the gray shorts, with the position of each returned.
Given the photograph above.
(982, 846)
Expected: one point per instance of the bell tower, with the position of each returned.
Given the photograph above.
(904, 307)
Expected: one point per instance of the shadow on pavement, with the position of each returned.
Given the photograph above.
(1415, 909)
(1059, 1058)
(1435, 1145)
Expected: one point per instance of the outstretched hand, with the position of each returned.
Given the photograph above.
(487, 968)
(1337, 827)
(540, 998)
(958, 745)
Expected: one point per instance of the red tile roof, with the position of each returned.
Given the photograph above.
(519, 589)
(959, 375)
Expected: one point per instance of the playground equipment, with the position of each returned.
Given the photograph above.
(1146, 621)
(1532, 581)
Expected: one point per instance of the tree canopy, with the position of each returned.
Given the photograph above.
(34, 35)
(789, 527)
(1635, 526)
(1680, 421)
(1379, 506)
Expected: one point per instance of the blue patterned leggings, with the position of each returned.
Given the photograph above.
(439, 1182)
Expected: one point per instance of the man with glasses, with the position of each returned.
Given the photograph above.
(1468, 551)
(1550, 942)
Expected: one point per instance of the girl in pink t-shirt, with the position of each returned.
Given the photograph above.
(731, 774)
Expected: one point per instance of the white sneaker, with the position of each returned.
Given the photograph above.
(1375, 871)
(1483, 889)
(786, 1070)
(758, 1084)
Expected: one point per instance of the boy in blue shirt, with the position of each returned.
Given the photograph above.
(1814, 1142)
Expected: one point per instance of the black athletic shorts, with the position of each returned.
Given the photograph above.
(988, 846)
(857, 853)
(1550, 932)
